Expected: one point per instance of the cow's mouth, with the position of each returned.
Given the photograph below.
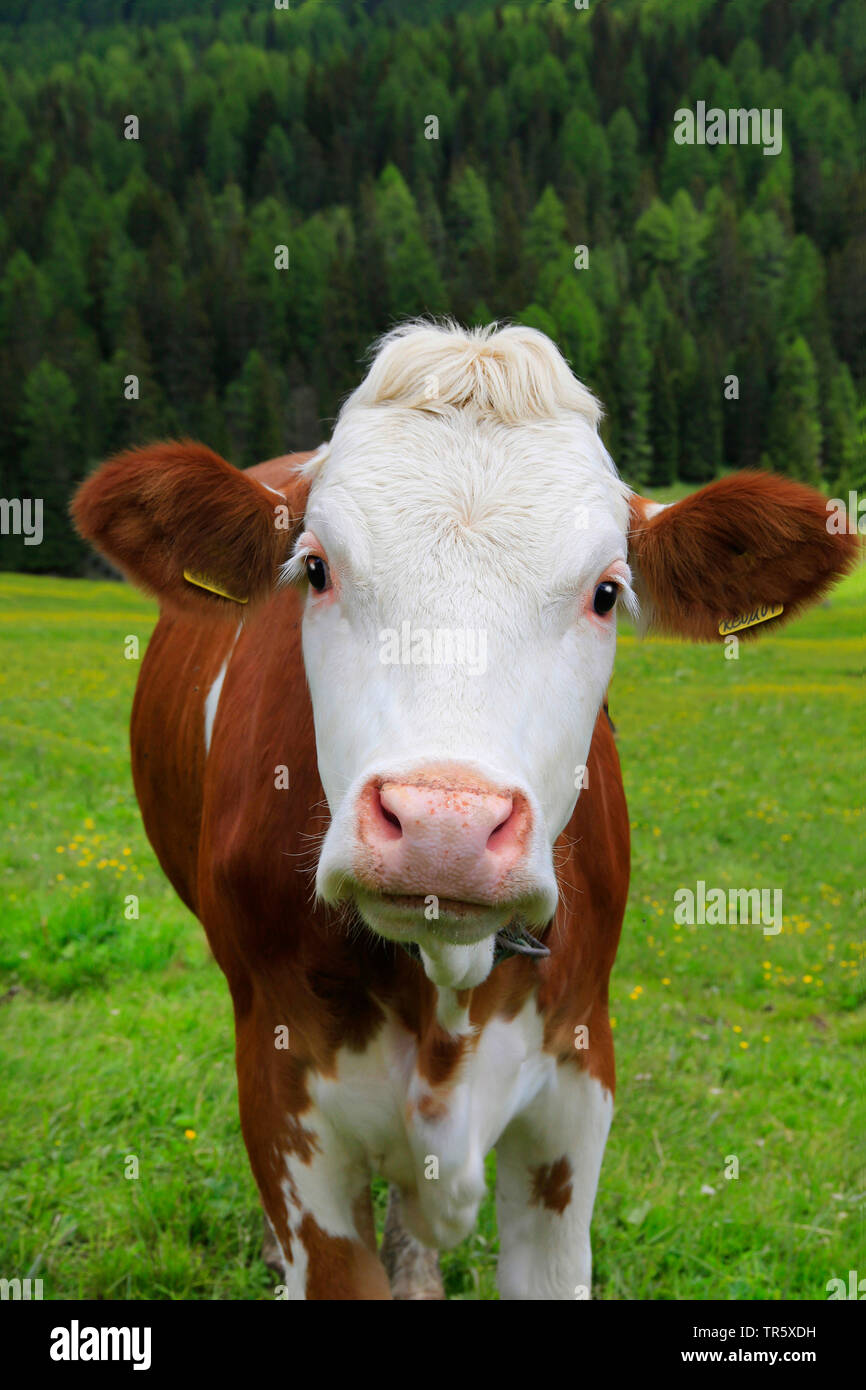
(414, 902)
(408, 918)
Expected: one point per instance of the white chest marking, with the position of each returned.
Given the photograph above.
(431, 1141)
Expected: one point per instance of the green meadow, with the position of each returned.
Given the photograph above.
(735, 1049)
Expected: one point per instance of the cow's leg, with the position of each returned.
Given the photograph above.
(412, 1268)
(328, 1248)
(316, 1196)
(271, 1254)
(547, 1163)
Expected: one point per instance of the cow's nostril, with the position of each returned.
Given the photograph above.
(389, 821)
(505, 833)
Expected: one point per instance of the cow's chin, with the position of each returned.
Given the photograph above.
(456, 945)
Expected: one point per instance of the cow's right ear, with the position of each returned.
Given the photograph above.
(186, 526)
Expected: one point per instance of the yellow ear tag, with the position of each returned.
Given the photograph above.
(202, 583)
(758, 615)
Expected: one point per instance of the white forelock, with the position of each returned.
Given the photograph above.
(513, 375)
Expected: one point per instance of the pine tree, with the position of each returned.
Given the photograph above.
(634, 364)
(413, 283)
(223, 151)
(663, 426)
(700, 423)
(841, 443)
(470, 221)
(579, 329)
(254, 410)
(50, 464)
(65, 268)
(794, 435)
(622, 138)
(546, 252)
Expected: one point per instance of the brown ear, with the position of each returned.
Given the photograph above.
(734, 551)
(176, 507)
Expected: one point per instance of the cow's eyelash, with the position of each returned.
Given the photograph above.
(626, 596)
(620, 575)
(295, 568)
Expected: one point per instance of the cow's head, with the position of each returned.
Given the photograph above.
(465, 548)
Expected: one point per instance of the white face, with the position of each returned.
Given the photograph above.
(456, 663)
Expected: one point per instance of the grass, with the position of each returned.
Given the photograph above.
(116, 1034)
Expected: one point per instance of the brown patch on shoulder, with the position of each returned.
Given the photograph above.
(551, 1185)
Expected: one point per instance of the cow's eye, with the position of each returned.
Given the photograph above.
(605, 597)
(318, 573)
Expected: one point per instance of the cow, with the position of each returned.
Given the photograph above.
(355, 738)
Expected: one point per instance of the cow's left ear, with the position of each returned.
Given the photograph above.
(185, 525)
(741, 555)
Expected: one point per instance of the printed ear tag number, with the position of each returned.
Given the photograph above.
(202, 583)
(757, 615)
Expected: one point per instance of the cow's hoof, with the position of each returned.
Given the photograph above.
(436, 1295)
(412, 1268)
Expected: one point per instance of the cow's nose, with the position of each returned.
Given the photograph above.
(437, 815)
(455, 841)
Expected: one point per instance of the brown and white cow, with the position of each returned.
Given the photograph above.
(415, 629)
